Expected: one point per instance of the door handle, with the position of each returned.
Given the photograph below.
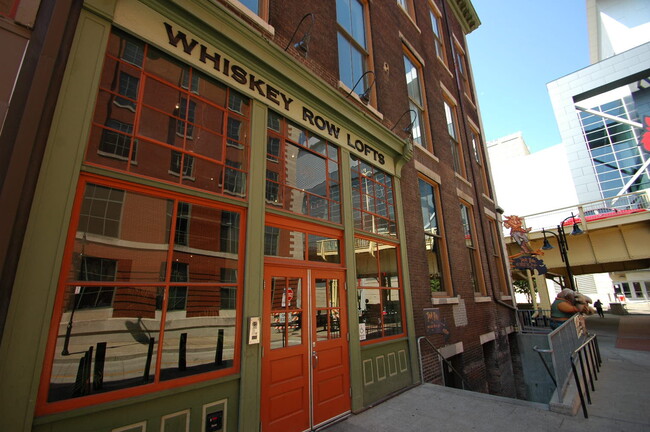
(314, 356)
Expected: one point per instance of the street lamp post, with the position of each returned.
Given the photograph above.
(563, 245)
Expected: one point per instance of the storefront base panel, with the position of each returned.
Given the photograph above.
(385, 369)
(209, 408)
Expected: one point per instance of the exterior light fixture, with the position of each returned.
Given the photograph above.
(563, 245)
(303, 44)
(408, 129)
(365, 96)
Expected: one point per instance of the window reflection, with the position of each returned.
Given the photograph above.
(432, 235)
(301, 171)
(286, 312)
(284, 243)
(328, 309)
(160, 118)
(372, 199)
(378, 288)
(109, 348)
(120, 285)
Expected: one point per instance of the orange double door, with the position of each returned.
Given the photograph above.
(305, 364)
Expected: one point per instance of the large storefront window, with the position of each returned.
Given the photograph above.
(302, 171)
(159, 118)
(379, 289)
(372, 199)
(150, 293)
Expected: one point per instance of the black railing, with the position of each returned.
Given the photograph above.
(588, 356)
(464, 384)
(534, 321)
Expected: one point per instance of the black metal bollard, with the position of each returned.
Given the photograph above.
(98, 371)
(218, 358)
(147, 366)
(182, 352)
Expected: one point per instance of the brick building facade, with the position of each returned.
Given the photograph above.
(257, 215)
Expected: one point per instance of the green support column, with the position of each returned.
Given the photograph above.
(251, 359)
(356, 377)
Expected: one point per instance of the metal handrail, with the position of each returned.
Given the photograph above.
(593, 361)
(534, 320)
(561, 343)
(440, 356)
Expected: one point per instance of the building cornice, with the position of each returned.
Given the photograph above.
(466, 14)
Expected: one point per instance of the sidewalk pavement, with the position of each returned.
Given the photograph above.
(621, 401)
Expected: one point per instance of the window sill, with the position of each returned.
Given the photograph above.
(444, 65)
(463, 179)
(427, 153)
(408, 15)
(253, 17)
(445, 300)
(356, 97)
(487, 197)
(469, 99)
(482, 299)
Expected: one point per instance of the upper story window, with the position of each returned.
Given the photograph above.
(416, 100)
(407, 6)
(302, 171)
(451, 118)
(436, 26)
(467, 219)
(183, 126)
(372, 199)
(477, 149)
(352, 43)
(258, 7)
(436, 248)
(462, 69)
(496, 252)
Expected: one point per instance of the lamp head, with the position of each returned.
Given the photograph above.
(576, 229)
(547, 245)
(365, 97)
(303, 45)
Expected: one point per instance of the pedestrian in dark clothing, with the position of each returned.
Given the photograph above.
(599, 308)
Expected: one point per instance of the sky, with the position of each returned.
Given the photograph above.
(520, 46)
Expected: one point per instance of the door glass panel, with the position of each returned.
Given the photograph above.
(327, 310)
(286, 312)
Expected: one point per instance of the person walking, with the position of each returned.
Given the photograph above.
(599, 308)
